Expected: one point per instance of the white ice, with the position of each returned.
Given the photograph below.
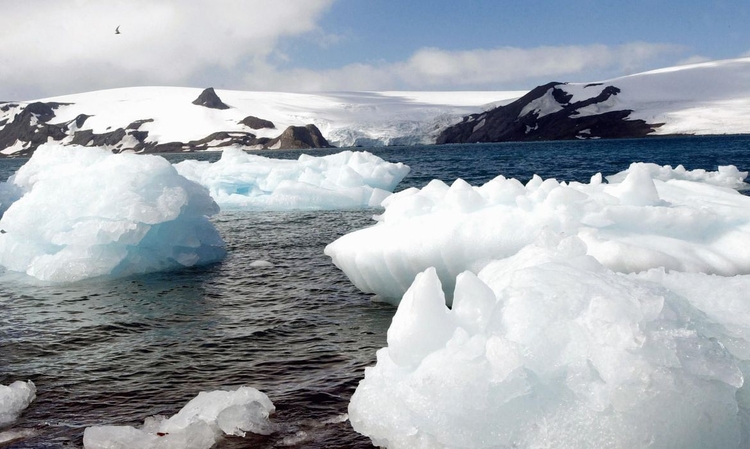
(646, 217)
(550, 349)
(199, 424)
(85, 212)
(343, 180)
(14, 399)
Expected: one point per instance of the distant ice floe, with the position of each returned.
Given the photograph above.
(198, 425)
(14, 399)
(85, 212)
(339, 181)
(646, 217)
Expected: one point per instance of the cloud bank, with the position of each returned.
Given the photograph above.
(54, 48)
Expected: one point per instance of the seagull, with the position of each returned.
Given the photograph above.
(117, 30)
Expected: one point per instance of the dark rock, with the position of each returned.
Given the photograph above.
(169, 147)
(507, 123)
(137, 124)
(209, 99)
(257, 123)
(30, 127)
(299, 137)
(223, 139)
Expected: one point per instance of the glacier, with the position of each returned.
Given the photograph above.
(344, 180)
(84, 212)
(646, 217)
(14, 399)
(198, 425)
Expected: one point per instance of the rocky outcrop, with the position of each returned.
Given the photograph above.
(548, 113)
(29, 128)
(209, 99)
(299, 137)
(257, 123)
(24, 127)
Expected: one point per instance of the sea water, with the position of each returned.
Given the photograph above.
(275, 315)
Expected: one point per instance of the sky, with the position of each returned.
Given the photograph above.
(58, 47)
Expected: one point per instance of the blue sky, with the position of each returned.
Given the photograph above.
(53, 47)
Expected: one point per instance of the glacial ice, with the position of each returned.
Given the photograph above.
(85, 212)
(198, 425)
(646, 217)
(14, 399)
(343, 180)
(548, 348)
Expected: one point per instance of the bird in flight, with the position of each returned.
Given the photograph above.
(117, 30)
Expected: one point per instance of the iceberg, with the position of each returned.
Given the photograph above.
(198, 425)
(14, 399)
(344, 180)
(646, 217)
(85, 212)
(550, 348)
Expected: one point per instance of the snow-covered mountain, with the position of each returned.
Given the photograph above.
(705, 98)
(159, 119)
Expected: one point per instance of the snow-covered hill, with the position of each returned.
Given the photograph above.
(706, 98)
(167, 114)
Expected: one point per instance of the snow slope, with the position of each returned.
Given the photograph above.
(344, 118)
(705, 98)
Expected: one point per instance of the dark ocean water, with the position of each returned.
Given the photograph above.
(113, 352)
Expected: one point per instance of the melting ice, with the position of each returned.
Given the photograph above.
(85, 212)
(583, 315)
(14, 399)
(198, 425)
(646, 217)
(343, 180)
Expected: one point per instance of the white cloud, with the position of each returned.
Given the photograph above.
(56, 46)
(51, 48)
(432, 68)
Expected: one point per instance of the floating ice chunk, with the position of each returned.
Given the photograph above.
(86, 212)
(197, 426)
(726, 176)
(559, 351)
(14, 399)
(645, 218)
(339, 181)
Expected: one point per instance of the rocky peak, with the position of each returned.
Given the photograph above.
(299, 137)
(209, 99)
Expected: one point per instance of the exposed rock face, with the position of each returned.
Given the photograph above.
(257, 123)
(209, 99)
(299, 137)
(28, 129)
(546, 113)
